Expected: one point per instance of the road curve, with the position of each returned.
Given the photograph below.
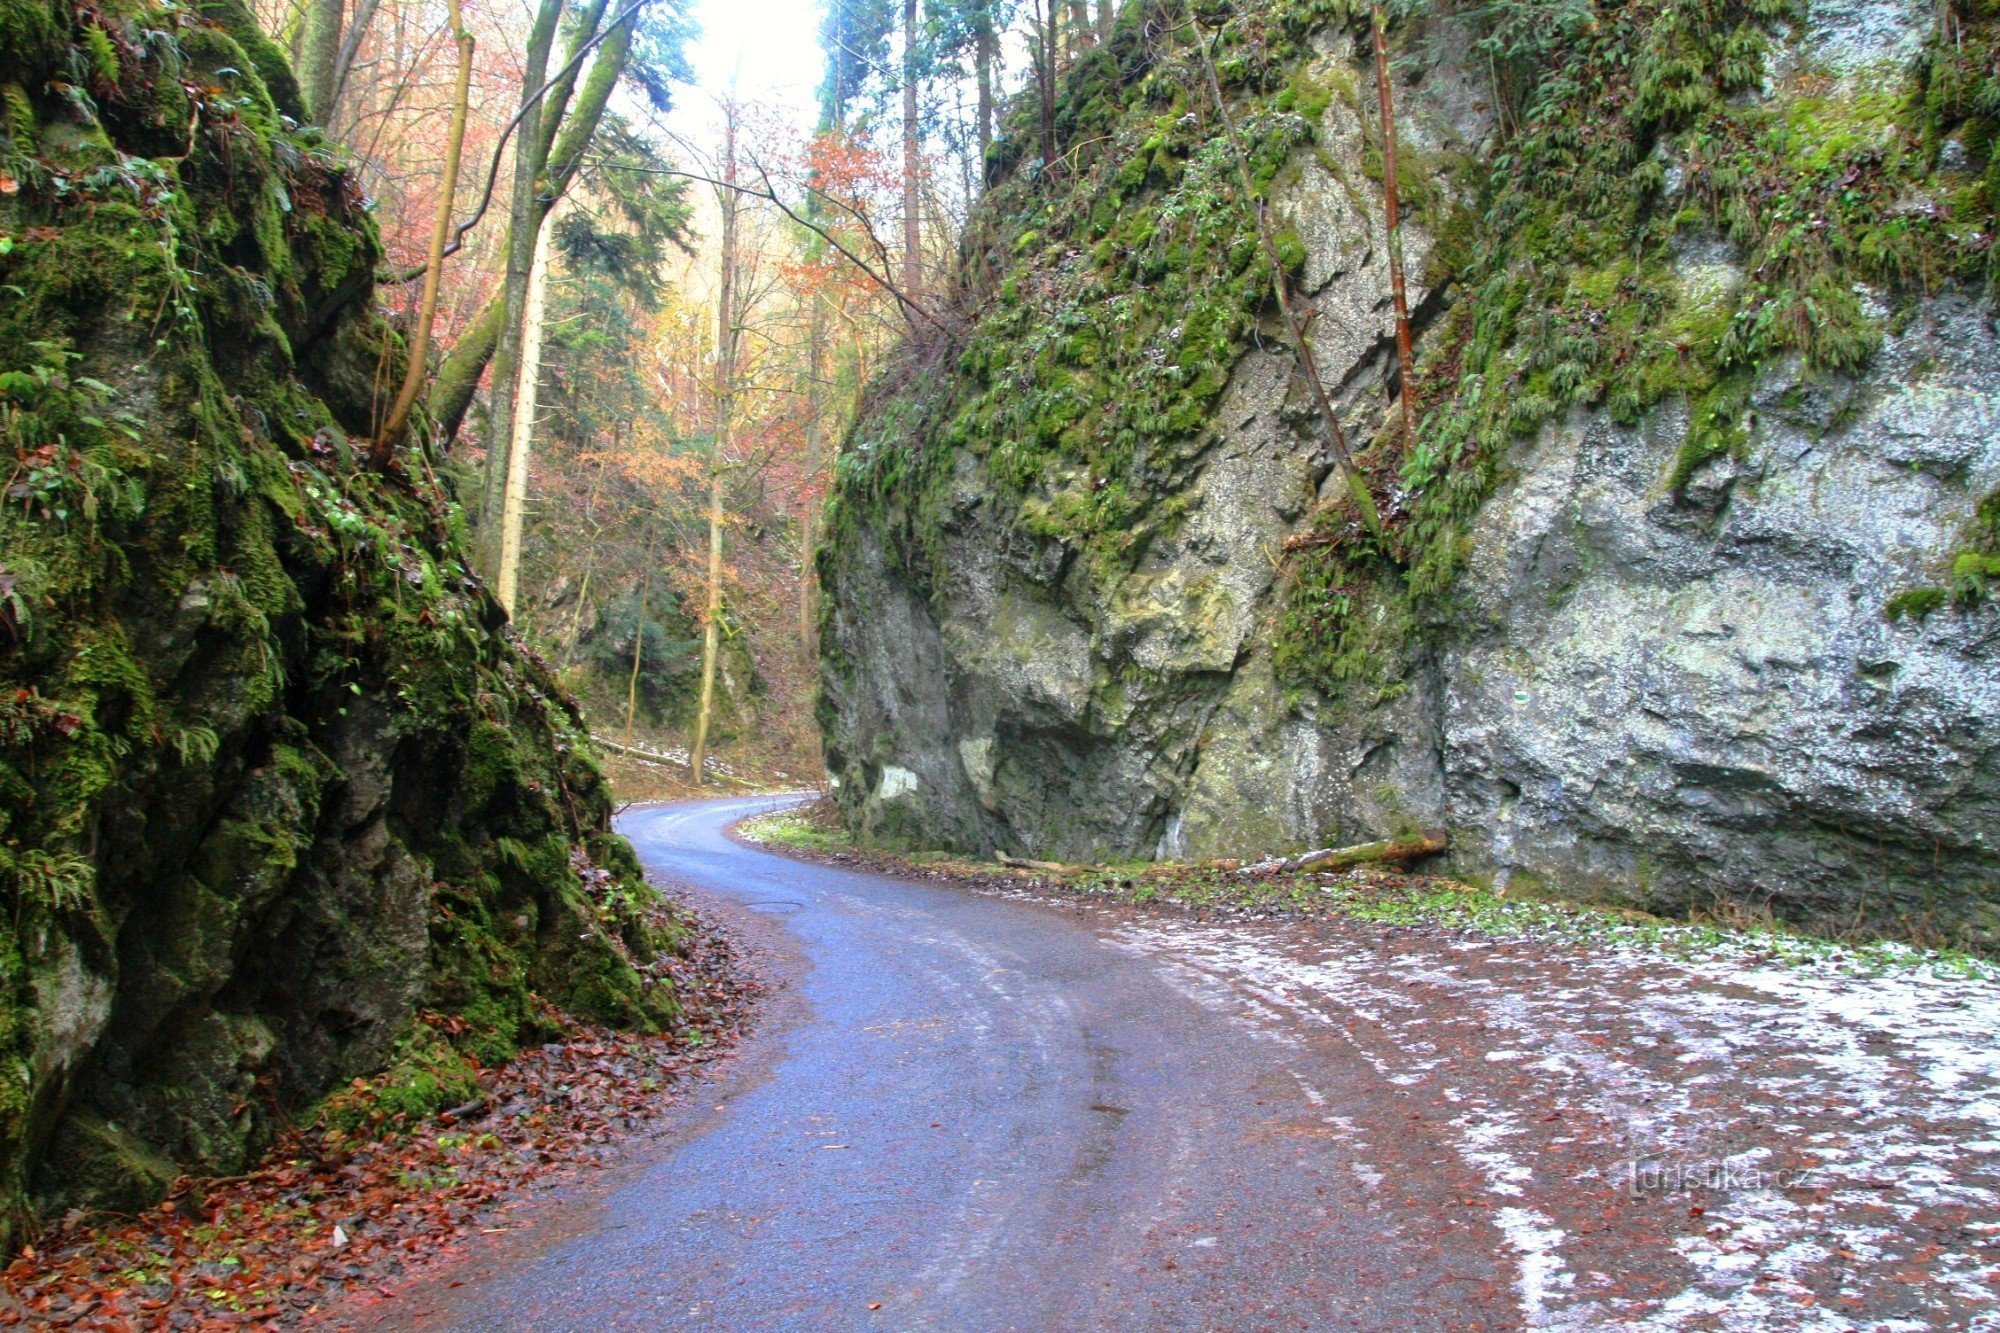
(982, 1114)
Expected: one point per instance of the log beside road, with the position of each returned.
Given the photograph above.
(1429, 842)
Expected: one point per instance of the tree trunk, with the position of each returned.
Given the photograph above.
(1392, 214)
(556, 104)
(1408, 847)
(913, 257)
(514, 509)
(1107, 17)
(576, 616)
(805, 579)
(319, 56)
(1045, 76)
(1082, 32)
(524, 216)
(985, 49)
(350, 47)
(638, 644)
(568, 141)
(725, 389)
(420, 339)
(458, 379)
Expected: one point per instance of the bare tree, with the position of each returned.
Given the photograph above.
(521, 438)
(524, 225)
(420, 340)
(913, 256)
(728, 199)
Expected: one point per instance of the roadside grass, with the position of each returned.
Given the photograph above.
(1379, 896)
(796, 829)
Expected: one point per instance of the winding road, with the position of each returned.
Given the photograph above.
(979, 1112)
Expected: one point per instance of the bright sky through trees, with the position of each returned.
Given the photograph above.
(768, 48)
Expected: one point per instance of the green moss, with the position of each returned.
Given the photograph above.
(1916, 604)
(427, 1075)
(1718, 428)
(207, 598)
(1091, 390)
(1125, 289)
(1570, 294)
(115, 1166)
(1975, 567)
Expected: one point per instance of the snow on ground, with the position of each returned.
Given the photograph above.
(1718, 1143)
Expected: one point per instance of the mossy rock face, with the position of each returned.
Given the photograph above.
(275, 779)
(110, 1165)
(1687, 595)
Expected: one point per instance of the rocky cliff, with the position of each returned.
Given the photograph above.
(1684, 601)
(281, 804)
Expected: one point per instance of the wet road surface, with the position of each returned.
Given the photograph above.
(980, 1115)
(974, 1111)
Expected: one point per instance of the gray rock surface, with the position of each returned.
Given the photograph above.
(1676, 698)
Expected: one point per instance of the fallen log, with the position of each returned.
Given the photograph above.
(1429, 842)
(634, 752)
(1055, 867)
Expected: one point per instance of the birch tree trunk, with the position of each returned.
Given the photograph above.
(516, 504)
(725, 389)
(523, 226)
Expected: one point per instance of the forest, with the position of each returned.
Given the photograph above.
(1291, 662)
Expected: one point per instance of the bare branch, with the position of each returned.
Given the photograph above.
(507, 132)
(1357, 485)
(768, 193)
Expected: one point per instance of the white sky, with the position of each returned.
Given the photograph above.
(769, 51)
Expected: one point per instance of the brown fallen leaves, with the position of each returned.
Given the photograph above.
(324, 1220)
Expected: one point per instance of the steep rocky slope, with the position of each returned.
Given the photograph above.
(1685, 597)
(280, 804)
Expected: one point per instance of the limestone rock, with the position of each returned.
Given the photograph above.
(1673, 693)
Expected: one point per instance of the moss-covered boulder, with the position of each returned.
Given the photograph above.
(282, 802)
(1686, 598)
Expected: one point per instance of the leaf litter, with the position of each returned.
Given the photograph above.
(328, 1222)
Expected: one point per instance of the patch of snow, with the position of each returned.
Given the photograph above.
(1886, 1086)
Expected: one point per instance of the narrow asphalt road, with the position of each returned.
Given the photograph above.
(978, 1115)
(968, 1111)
